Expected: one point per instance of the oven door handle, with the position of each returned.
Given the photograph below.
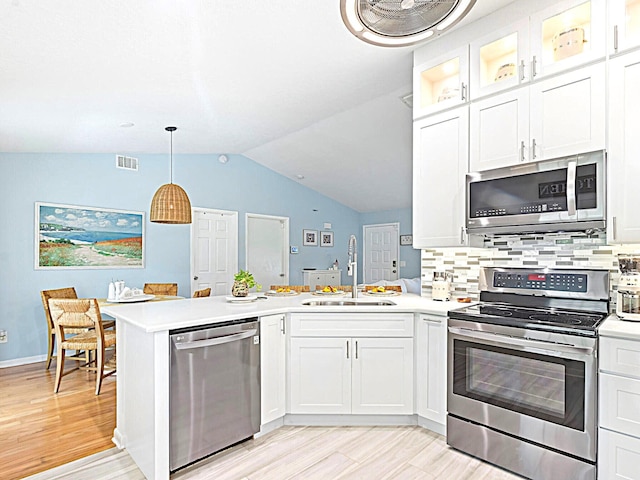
(551, 348)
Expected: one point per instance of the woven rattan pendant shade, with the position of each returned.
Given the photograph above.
(170, 204)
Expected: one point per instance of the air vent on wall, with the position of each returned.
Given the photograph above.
(128, 163)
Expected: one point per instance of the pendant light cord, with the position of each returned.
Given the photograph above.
(171, 130)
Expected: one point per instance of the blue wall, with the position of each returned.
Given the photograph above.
(92, 180)
(407, 253)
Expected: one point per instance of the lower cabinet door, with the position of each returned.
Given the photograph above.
(272, 367)
(431, 364)
(618, 456)
(320, 370)
(382, 376)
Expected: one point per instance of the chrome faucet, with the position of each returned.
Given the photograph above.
(352, 265)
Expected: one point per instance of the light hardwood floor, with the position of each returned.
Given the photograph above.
(40, 430)
(68, 436)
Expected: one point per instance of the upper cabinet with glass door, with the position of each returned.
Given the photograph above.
(441, 83)
(500, 60)
(565, 35)
(624, 20)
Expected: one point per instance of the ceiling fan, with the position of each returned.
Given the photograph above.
(398, 23)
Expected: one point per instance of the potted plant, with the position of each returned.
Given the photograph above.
(243, 281)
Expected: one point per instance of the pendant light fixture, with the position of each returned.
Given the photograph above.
(170, 203)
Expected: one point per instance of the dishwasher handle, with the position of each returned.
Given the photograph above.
(210, 342)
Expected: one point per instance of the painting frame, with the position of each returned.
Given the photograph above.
(88, 238)
(326, 239)
(310, 238)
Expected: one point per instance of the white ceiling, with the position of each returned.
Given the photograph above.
(281, 82)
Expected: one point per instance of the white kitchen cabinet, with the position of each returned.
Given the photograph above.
(624, 149)
(624, 25)
(619, 409)
(499, 60)
(321, 278)
(320, 375)
(351, 375)
(556, 34)
(441, 83)
(560, 116)
(440, 163)
(499, 130)
(431, 370)
(272, 367)
(351, 363)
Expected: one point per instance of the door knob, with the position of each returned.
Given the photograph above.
(195, 278)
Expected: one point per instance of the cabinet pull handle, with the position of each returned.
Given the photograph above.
(461, 235)
(533, 149)
(282, 327)
(533, 67)
(521, 70)
(522, 151)
(463, 92)
(615, 38)
(615, 228)
(347, 348)
(356, 349)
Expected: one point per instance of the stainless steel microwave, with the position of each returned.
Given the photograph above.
(562, 194)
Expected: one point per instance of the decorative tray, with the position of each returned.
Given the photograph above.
(387, 293)
(133, 299)
(273, 293)
(247, 299)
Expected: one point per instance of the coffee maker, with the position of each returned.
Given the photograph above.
(628, 299)
(441, 286)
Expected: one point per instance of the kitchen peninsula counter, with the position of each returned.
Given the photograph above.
(143, 360)
(164, 316)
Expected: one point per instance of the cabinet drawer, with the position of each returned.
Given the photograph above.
(620, 404)
(619, 456)
(351, 325)
(618, 355)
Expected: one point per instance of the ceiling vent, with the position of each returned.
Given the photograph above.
(127, 163)
(398, 23)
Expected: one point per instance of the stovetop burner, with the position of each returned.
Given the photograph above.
(578, 323)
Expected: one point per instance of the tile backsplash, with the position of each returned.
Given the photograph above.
(552, 250)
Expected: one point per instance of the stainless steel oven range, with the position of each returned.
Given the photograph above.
(522, 371)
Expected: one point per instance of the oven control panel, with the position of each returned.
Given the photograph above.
(564, 282)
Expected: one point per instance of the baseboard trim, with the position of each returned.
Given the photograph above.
(16, 362)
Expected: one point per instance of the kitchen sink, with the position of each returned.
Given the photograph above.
(341, 303)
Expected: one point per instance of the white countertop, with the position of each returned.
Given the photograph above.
(169, 315)
(615, 327)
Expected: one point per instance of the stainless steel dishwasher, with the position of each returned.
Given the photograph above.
(214, 397)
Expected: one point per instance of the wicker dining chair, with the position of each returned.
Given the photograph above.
(161, 289)
(205, 292)
(295, 288)
(80, 313)
(67, 292)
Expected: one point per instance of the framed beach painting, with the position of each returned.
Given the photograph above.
(68, 236)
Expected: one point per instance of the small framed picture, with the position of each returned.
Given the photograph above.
(406, 239)
(326, 239)
(310, 238)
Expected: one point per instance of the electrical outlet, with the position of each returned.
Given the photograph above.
(3, 336)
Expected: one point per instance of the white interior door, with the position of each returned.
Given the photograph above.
(268, 249)
(214, 250)
(381, 252)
